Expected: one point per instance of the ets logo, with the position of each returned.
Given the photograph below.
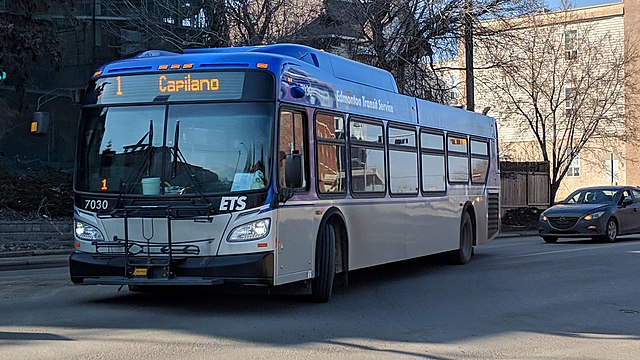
(233, 203)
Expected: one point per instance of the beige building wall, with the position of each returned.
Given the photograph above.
(632, 96)
(596, 160)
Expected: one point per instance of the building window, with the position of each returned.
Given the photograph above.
(574, 167)
(571, 44)
(454, 89)
(569, 101)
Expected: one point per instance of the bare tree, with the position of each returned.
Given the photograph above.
(558, 86)
(414, 39)
(27, 37)
(182, 24)
(167, 24)
(258, 22)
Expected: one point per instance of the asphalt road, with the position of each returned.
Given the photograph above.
(518, 299)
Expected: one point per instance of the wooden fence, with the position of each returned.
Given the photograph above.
(524, 184)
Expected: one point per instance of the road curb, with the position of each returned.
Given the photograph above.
(34, 262)
(507, 235)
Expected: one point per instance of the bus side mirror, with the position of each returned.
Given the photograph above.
(40, 123)
(77, 96)
(293, 171)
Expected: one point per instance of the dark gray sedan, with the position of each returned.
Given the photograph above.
(602, 213)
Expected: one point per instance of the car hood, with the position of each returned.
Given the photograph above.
(574, 209)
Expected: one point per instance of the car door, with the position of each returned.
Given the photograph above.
(626, 215)
(635, 215)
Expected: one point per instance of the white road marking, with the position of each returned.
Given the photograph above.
(567, 250)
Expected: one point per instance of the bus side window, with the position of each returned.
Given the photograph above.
(330, 154)
(292, 141)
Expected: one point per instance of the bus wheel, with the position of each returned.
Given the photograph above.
(463, 254)
(322, 284)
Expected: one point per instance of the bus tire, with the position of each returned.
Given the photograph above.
(322, 284)
(465, 251)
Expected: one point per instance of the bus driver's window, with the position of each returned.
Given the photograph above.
(291, 142)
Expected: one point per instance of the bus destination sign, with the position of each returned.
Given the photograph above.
(172, 87)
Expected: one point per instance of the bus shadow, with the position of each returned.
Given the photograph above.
(244, 298)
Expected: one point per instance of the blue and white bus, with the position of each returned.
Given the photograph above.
(271, 165)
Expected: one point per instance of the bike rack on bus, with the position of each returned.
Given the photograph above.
(154, 252)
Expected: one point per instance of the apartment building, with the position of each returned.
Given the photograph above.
(569, 74)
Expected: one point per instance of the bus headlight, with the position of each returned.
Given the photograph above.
(85, 231)
(251, 231)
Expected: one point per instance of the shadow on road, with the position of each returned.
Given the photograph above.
(420, 301)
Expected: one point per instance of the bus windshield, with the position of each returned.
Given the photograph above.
(176, 149)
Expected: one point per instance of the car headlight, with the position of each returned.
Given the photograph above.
(251, 231)
(543, 218)
(85, 231)
(594, 215)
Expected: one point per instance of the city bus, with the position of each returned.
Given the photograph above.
(271, 165)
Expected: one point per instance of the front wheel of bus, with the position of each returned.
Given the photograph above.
(464, 253)
(322, 284)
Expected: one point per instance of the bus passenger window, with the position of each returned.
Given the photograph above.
(403, 161)
(331, 163)
(479, 161)
(291, 141)
(433, 169)
(458, 159)
(367, 158)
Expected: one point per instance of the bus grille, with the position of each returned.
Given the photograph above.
(493, 202)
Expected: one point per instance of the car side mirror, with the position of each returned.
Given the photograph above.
(627, 201)
(293, 171)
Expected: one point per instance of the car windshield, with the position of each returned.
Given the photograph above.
(175, 149)
(591, 196)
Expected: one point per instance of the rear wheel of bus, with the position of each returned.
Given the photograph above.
(464, 253)
(322, 284)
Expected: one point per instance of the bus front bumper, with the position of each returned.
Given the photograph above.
(93, 269)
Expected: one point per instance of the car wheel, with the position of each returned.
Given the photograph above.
(550, 239)
(612, 230)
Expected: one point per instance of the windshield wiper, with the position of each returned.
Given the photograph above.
(174, 162)
(150, 148)
(178, 156)
(147, 158)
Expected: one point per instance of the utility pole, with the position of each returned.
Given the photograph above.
(468, 55)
